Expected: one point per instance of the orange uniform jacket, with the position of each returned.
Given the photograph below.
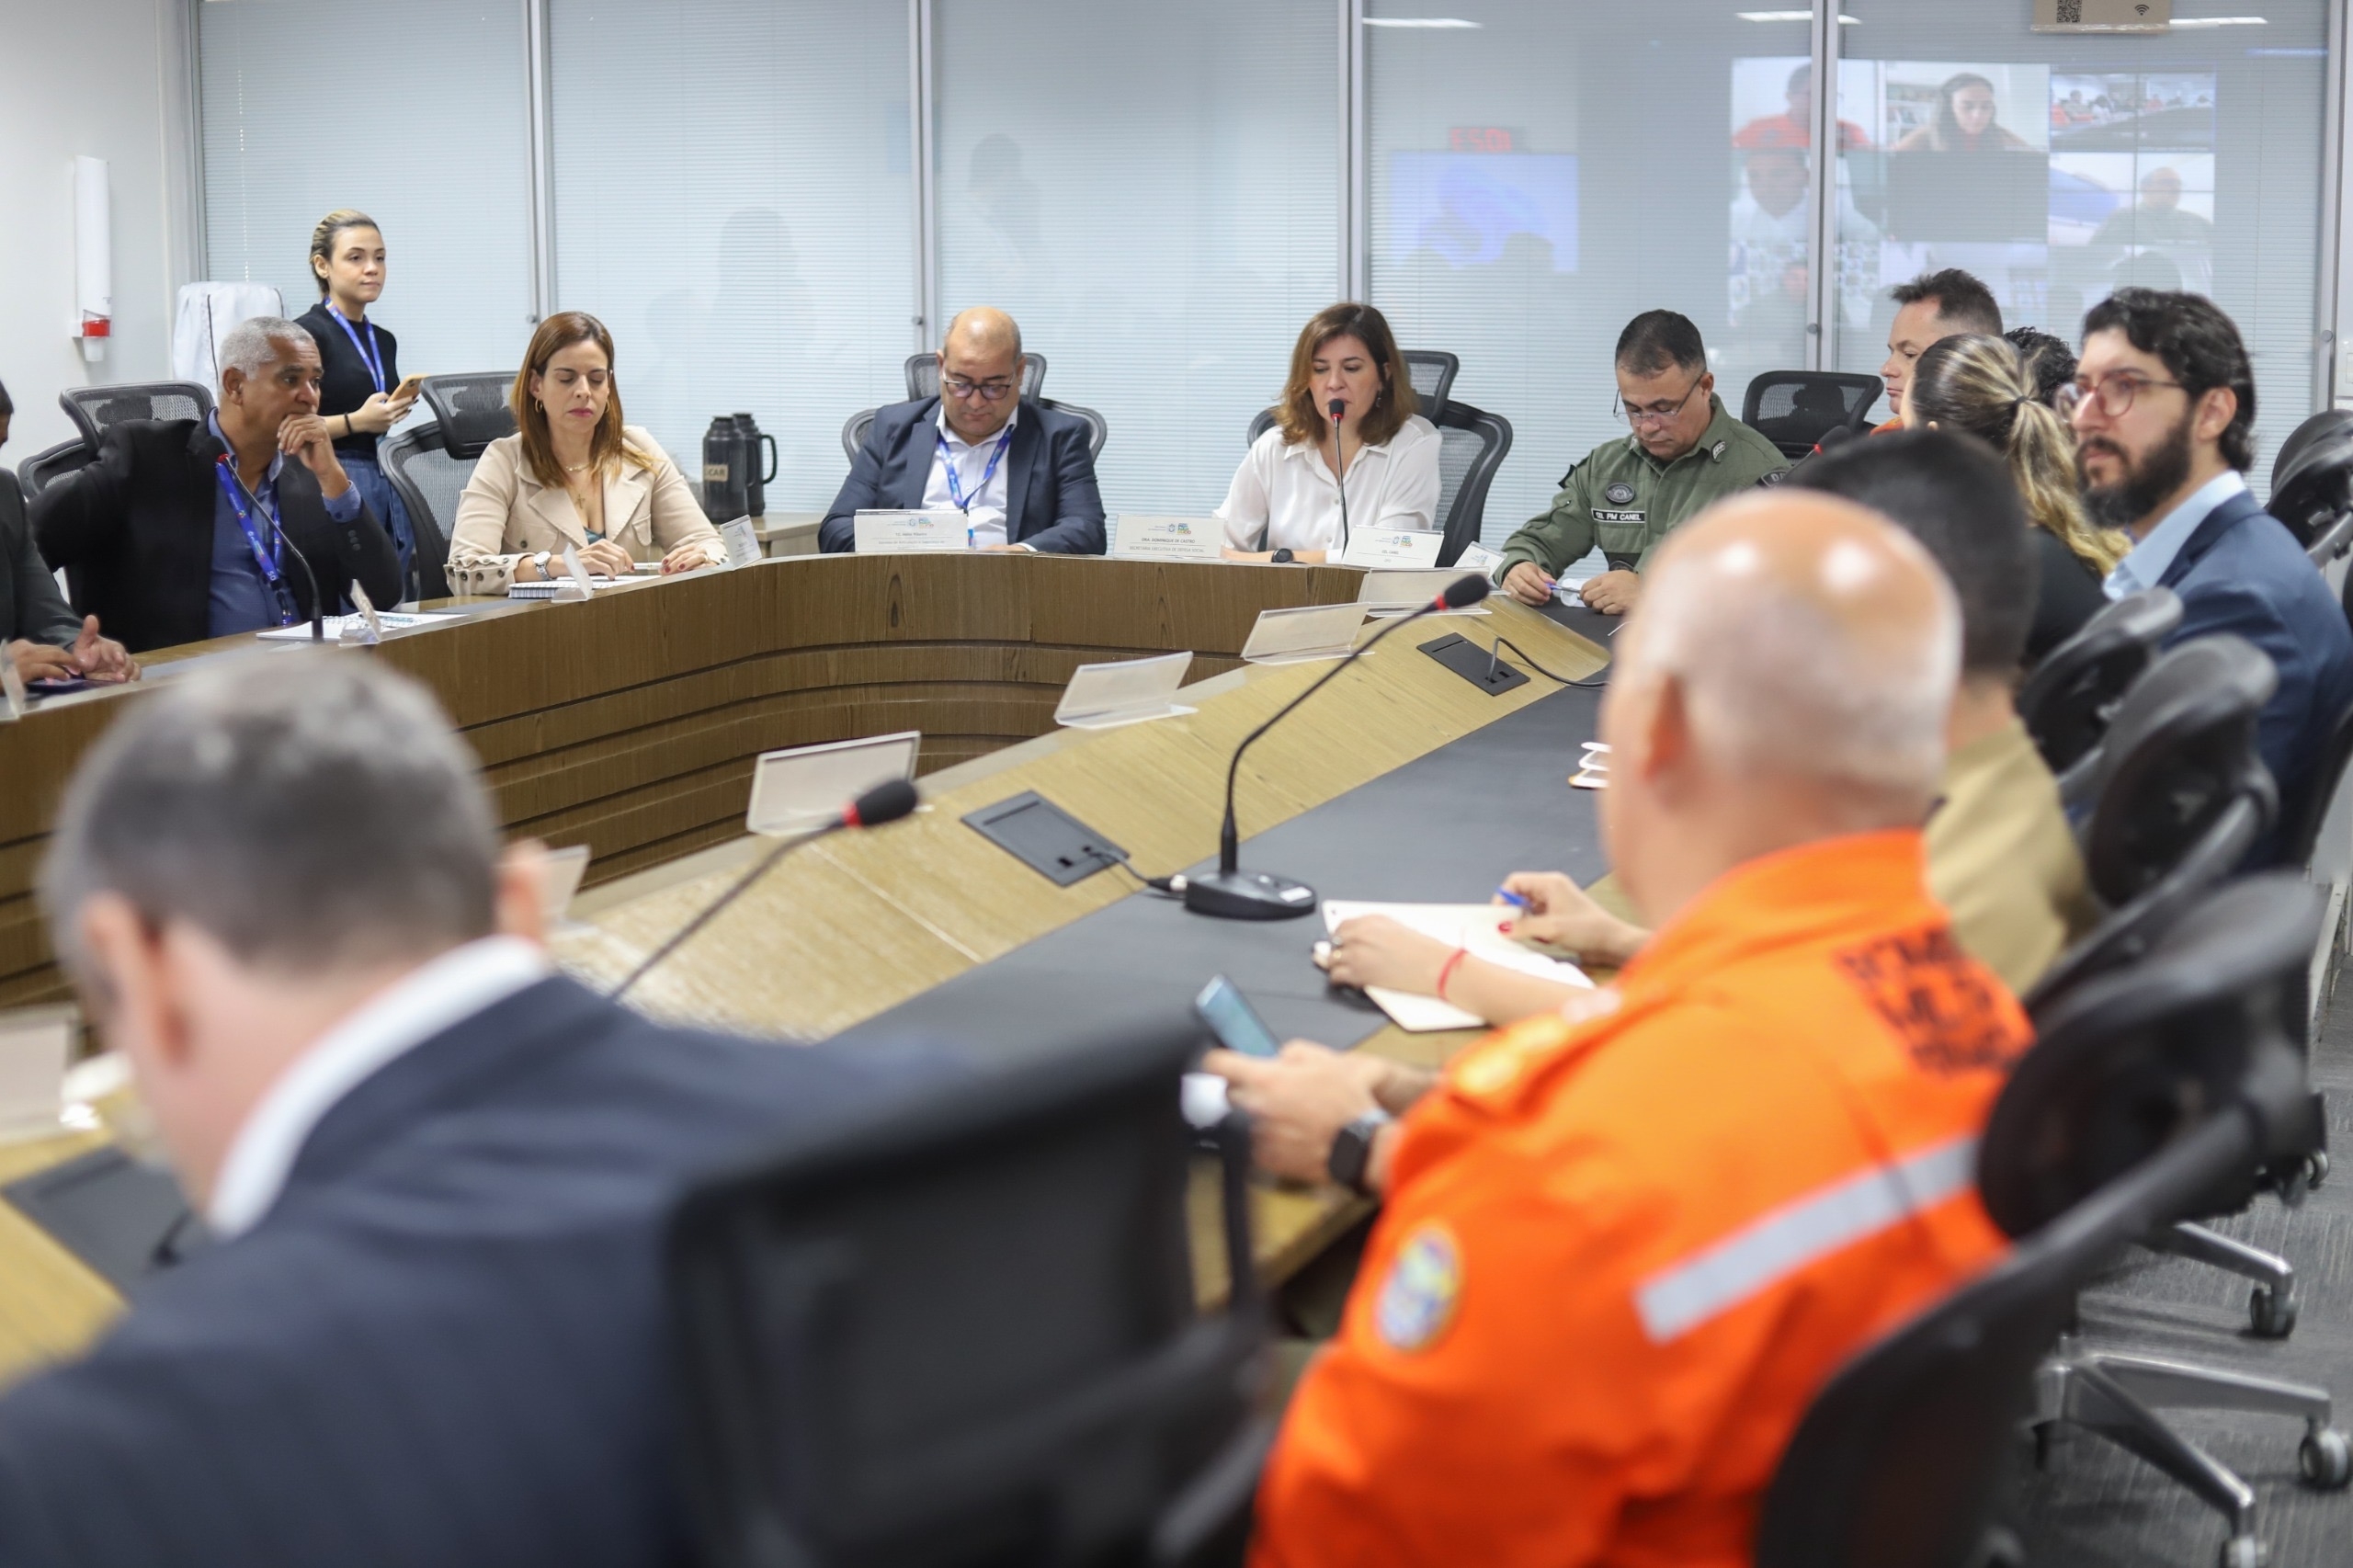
(1619, 1258)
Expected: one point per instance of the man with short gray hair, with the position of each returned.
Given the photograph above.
(184, 528)
(431, 1331)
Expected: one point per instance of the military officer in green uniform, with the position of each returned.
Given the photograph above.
(1685, 451)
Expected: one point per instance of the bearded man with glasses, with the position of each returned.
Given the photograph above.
(1021, 472)
(1684, 450)
(2163, 406)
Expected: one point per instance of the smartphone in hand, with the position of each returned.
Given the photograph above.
(1235, 1023)
(407, 388)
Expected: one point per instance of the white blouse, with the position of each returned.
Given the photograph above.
(1284, 497)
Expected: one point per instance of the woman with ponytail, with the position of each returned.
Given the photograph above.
(362, 394)
(1979, 384)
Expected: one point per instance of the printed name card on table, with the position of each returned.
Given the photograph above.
(1480, 559)
(34, 1045)
(1386, 594)
(911, 533)
(1392, 548)
(803, 789)
(1136, 536)
(741, 539)
(1308, 632)
(1103, 697)
(560, 874)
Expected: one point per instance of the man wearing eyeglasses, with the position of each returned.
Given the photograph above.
(1021, 472)
(2163, 405)
(1685, 451)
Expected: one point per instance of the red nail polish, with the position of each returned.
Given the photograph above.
(1505, 928)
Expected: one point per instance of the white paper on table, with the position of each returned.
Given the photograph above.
(1471, 926)
(1138, 537)
(1410, 549)
(911, 533)
(333, 625)
(1302, 633)
(1103, 697)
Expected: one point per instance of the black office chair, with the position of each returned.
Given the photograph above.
(1472, 445)
(1795, 409)
(1432, 373)
(2300, 819)
(2149, 1098)
(963, 1331)
(428, 482)
(93, 409)
(2312, 485)
(471, 411)
(48, 465)
(2067, 699)
(923, 376)
(854, 433)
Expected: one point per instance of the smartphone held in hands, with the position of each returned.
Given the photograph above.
(1235, 1023)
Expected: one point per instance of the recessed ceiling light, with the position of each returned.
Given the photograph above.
(1430, 22)
(2220, 21)
(1844, 21)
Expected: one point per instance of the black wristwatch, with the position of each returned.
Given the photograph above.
(1282, 558)
(1351, 1155)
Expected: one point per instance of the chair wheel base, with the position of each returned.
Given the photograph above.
(2325, 1458)
(2272, 1313)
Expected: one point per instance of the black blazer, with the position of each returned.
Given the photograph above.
(1050, 501)
(30, 605)
(446, 1345)
(137, 526)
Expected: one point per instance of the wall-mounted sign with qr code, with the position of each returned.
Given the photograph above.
(2103, 16)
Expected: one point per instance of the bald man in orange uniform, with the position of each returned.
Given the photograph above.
(1620, 1251)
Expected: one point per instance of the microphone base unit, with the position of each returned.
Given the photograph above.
(1479, 667)
(1248, 895)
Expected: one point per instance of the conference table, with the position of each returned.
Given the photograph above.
(630, 723)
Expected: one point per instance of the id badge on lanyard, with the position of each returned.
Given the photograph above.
(955, 486)
(369, 353)
(234, 489)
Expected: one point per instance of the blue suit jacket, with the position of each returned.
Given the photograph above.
(1050, 501)
(444, 1347)
(2242, 571)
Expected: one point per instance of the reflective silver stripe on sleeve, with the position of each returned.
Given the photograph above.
(1776, 1246)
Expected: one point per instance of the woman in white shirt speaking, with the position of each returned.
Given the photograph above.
(1346, 418)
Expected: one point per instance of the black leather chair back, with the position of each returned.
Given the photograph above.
(1795, 409)
(471, 410)
(2153, 1093)
(2067, 699)
(964, 1332)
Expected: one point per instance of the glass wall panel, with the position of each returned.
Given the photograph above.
(1153, 191)
(733, 198)
(2060, 167)
(1542, 173)
(444, 166)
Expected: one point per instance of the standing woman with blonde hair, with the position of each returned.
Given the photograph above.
(1979, 384)
(573, 474)
(360, 392)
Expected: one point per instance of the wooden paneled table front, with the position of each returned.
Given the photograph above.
(629, 723)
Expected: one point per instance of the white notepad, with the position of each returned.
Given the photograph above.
(1471, 926)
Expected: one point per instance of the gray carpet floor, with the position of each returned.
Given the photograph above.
(2092, 1504)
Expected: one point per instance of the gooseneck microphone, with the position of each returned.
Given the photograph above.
(1338, 410)
(318, 607)
(886, 802)
(1236, 894)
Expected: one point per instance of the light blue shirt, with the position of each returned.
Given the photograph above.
(241, 597)
(2149, 560)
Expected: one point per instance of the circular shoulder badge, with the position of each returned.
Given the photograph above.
(1716, 452)
(1620, 493)
(1416, 1302)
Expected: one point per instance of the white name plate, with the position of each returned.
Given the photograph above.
(1479, 558)
(743, 541)
(1102, 696)
(1308, 632)
(34, 1044)
(1392, 548)
(803, 789)
(1135, 536)
(1383, 591)
(911, 533)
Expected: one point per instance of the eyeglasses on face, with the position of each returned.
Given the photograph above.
(1637, 416)
(2114, 392)
(993, 392)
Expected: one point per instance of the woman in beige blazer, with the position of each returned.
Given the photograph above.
(573, 474)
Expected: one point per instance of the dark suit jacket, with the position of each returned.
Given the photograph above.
(30, 604)
(1051, 501)
(445, 1346)
(137, 526)
(2067, 594)
(2242, 571)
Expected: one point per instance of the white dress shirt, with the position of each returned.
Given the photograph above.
(1283, 497)
(2146, 564)
(405, 1014)
(985, 515)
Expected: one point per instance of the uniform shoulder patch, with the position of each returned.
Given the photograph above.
(1620, 493)
(1772, 477)
(1716, 452)
(1424, 1285)
(1939, 1000)
(1571, 474)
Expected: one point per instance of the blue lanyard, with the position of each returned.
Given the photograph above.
(955, 487)
(234, 489)
(369, 355)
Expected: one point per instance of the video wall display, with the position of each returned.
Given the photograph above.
(2055, 187)
(1483, 206)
